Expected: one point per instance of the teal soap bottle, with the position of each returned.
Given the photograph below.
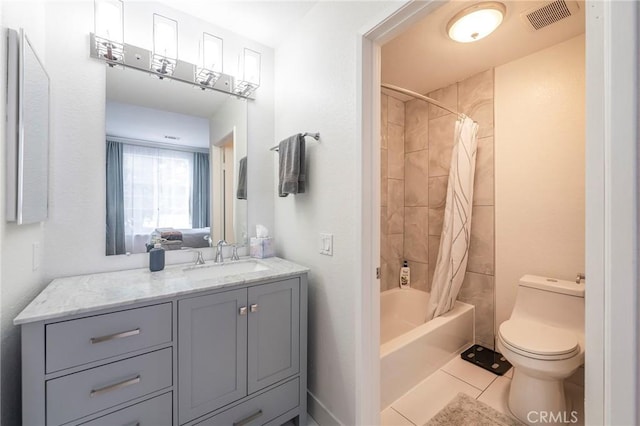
(156, 258)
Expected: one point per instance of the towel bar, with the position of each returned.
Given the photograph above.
(315, 136)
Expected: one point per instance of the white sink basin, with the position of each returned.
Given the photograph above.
(205, 272)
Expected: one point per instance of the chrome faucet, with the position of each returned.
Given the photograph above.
(219, 258)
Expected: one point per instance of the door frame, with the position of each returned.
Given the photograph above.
(611, 252)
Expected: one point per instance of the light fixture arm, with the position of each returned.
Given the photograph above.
(138, 58)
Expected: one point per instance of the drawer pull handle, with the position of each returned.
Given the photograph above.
(101, 339)
(124, 384)
(249, 419)
(254, 307)
(243, 311)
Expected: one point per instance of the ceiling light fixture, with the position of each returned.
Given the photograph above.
(476, 22)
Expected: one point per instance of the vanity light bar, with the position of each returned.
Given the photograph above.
(140, 59)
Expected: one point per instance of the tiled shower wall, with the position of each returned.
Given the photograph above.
(412, 231)
(392, 190)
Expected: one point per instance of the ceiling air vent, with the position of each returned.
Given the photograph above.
(548, 13)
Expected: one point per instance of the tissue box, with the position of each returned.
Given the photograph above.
(262, 247)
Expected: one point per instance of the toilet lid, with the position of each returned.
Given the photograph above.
(537, 338)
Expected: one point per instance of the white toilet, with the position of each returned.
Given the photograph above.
(544, 341)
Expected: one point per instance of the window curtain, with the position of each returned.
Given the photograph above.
(157, 192)
(115, 199)
(200, 197)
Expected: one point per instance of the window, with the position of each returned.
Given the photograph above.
(157, 189)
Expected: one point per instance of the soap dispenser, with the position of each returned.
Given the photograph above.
(156, 258)
(405, 275)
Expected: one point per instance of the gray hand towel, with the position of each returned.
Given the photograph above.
(291, 152)
(241, 193)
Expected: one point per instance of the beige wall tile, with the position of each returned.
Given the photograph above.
(436, 217)
(395, 112)
(477, 289)
(481, 257)
(395, 207)
(383, 268)
(384, 175)
(384, 99)
(448, 96)
(416, 229)
(483, 182)
(438, 191)
(384, 227)
(441, 133)
(416, 125)
(395, 152)
(475, 99)
(396, 243)
(386, 282)
(419, 275)
(384, 247)
(416, 171)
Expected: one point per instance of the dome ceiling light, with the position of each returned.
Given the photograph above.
(476, 22)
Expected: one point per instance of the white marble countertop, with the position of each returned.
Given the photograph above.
(86, 293)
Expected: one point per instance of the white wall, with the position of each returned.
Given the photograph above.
(72, 240)
(539, 168)
(317, 82)
(19, 283)
(75, 232)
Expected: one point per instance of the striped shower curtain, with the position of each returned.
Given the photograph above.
(456, 230)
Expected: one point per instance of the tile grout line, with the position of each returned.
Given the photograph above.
(403, 416)
(482, 393)
(464, 381)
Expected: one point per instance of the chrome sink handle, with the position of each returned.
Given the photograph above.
(199, 259)
(234, 252)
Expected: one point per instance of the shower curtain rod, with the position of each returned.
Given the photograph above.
(422, 97)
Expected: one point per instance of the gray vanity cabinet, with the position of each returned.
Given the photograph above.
(227, 354)
(234, 343)
(274, 333)
(212, 352)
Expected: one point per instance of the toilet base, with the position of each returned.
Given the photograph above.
(534, 401)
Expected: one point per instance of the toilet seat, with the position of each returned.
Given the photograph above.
(537, 340)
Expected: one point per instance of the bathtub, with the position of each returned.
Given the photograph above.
(410, 348)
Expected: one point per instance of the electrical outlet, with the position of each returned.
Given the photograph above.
(326, 244)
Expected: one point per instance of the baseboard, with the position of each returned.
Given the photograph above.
(319, 412)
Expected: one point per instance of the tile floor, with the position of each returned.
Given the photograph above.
(422, 402)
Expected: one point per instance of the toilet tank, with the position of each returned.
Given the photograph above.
(551, 301)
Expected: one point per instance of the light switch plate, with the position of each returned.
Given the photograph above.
(326, 244)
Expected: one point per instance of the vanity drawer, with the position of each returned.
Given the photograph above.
(80, 394)
(261, 409)
(153, 412)
(77, 342)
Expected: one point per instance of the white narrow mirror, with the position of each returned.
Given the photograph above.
(27, 132)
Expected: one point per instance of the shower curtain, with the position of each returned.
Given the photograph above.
(456, 230)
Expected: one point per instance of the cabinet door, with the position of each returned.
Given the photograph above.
(212, 352)
(274, 333)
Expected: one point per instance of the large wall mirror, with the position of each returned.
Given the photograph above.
(176, 164)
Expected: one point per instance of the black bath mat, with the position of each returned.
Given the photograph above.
(487, 359)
